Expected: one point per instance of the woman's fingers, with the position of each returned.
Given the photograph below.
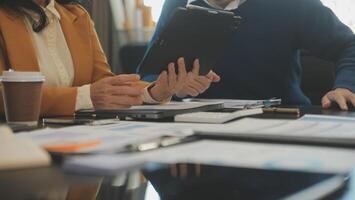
(120, 102)
(125, 90)
(112, 106)
(123, 79)
(126, 100)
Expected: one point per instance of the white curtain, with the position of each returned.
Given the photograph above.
(157, 6)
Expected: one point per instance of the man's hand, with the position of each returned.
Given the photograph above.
(116, 92)
(169, 82)
(340, 96)
(182, 84)
(196, 84)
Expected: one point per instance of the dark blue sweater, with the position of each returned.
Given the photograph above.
(263, 60)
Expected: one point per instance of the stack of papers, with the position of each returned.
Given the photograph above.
(115, 137)
(317, 132)
(107, 138)
(112, 138)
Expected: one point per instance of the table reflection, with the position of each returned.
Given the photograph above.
(191, 181)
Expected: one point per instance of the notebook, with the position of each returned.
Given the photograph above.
(18, 153)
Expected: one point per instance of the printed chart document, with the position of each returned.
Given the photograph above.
(327, 118)
(107, 138)
(224, 153)
(315, 132)
(18, 153)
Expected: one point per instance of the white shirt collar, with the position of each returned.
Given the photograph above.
(50, 11)
(231, 6)
(51, 8)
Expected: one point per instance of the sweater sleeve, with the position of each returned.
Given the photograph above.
(324, 35)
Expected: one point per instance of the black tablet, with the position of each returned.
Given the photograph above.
(193, 33)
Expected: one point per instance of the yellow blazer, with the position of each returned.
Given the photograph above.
(90, 63)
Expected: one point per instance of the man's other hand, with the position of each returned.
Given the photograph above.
(341, 96)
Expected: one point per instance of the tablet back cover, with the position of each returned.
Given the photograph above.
(202, 34)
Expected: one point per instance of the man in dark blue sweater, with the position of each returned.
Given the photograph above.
(263, 60)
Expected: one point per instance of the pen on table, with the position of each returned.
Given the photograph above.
(295, 111)
(165, 141)
(272, 102)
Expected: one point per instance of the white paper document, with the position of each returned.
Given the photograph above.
(174, 106)
(224, 153)
(117, 136)
(286, 128)
(239, 103)
(111, 137)
(328, 118)
(232, 103)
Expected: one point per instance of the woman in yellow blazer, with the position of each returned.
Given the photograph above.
(58, 38)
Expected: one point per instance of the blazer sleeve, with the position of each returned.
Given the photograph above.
(2, 68)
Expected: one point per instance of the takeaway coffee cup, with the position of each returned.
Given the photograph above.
(22, 93)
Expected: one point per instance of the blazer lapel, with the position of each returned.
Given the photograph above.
(78, 42)
(20, 49)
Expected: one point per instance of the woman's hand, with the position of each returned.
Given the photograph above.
(196, 84)
(182, 84)
(116, 92)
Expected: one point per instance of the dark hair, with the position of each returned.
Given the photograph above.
(18, 6)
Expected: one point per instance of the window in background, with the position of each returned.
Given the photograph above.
(344, 9)
(157, 6)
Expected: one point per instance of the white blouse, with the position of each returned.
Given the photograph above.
(54, 57)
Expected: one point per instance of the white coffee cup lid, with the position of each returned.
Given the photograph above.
(17, 76)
